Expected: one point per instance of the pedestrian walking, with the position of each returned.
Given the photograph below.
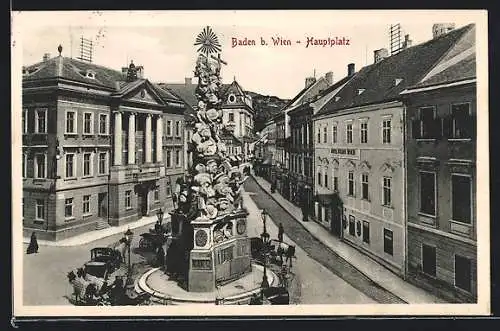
(33, 246)
(281, 231)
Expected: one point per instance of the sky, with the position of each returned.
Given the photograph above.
(162, 42)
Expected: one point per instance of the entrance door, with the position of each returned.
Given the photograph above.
(102, 205)
(336, 221)
(142, 201)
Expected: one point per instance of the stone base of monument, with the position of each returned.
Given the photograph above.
(239, 291)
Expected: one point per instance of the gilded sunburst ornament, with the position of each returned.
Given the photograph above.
(208, 41)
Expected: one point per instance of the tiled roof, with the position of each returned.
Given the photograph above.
(329, 93)
(465, 69)
(376, 82)
(184, 91)
(73, 69)
(76, 70)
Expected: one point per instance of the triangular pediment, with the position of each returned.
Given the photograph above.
(140, 91)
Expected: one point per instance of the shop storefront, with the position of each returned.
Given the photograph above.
(328, 210)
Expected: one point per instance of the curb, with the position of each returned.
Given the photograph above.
(141, 286)
(312, 234)
(26, 240)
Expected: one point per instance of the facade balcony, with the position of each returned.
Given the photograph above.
(137, 173)
(41, 184)
(32, 139)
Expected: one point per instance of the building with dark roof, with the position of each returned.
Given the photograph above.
(441, 174)
(238, 113)
(360, 151)
(93, 153)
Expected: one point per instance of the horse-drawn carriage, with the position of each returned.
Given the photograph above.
(275, 250)
(156, 237)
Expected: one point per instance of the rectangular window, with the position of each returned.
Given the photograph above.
(319, 135)
(428, 123)
(325, 134)
(102, 163)
(349, 133)
(40, 166)
(350, 183)
(387, 191)
(364, 132)
(364, 186)
(103, 124)
(168, 159)
(87, 123)
(41, 121)
(463, 271)
(366, 232)
(428, 193)
(22, 208)
(319, 178)
(70, 171)
(177, 128)
(157, 193)
(335, 183)
(334, 134)
(461, 121)
(70, 122)
(25, 121)
(352, 225)
(386, 131)
(231, 117)
(87, 168)
(388, 243)
(169, 128)
(86, 204)
(128, 199)
(40, 209)
(461, 198)
(68, 208)
(429, 260)
(326, 179)
(178, 158)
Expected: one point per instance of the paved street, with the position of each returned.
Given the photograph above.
(312, 283)
(329, 261)
(44, 276)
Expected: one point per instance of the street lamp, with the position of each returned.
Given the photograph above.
(128, 238)
(265, 240)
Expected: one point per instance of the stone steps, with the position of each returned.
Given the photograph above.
(102, 224)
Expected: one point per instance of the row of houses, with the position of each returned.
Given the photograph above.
(103, 147)
(385, 159)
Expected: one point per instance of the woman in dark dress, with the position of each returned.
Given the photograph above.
(33, 246)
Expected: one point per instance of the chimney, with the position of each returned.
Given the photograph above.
(188, 81)
(329, 78)
(350, 69)
(46, 57)
(310, 81)
(140, 71)
(440, 29)
(380, 54)
(407, 43)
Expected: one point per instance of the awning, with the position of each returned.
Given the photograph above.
(331, 199)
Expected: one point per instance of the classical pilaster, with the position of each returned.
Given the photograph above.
(148, 149)
(131, 138)
(159, 140)
(118, 139)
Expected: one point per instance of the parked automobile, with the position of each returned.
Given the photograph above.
(103, 262)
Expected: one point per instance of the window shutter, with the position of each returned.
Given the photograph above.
(437, 129)
(471, 126)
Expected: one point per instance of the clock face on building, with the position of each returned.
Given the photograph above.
(241, 226)
(201, 238)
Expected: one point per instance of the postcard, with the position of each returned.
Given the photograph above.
(188, 163)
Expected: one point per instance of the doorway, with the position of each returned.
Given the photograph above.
(142, 200)
(102, 202)
(336, 221)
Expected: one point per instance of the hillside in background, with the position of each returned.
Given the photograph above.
(265, 107)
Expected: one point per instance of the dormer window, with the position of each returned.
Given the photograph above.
(360, 90)
(29, 71)
(397, 81)
(90, 74)
(337, 99)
